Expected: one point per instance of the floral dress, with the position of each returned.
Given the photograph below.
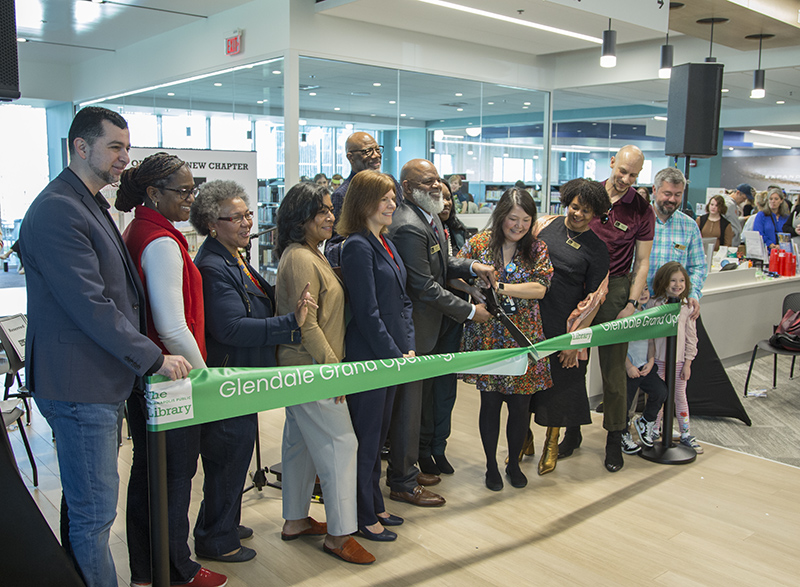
(493, 335)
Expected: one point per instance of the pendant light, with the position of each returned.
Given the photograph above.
(758, 90)
(712, 21)
(608, 58)
(665, 69)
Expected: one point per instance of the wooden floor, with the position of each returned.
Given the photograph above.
(727, 519)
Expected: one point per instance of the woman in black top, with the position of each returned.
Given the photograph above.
(580, 263)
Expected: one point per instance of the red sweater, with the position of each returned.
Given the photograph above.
(147, 226)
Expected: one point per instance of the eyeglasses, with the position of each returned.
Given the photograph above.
(368, 152)
(184, 193)
(237, 218)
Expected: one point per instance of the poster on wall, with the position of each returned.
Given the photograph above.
(761, 172)
(205, 165)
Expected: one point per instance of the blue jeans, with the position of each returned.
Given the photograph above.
(86, 441)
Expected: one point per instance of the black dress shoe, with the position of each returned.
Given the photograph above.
(391, 520)
(613, 460)
(385, 536)
(493, 480)
(427, 466)
(444, 465)
(244, 554)
(572, 440)
(245, 532)
(517, 477)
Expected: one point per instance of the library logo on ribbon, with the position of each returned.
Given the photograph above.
(169, 401)
(581, 337)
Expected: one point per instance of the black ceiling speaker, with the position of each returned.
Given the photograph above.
(9, 64)
(695, 95)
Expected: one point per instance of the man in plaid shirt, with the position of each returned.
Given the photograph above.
(677, 236)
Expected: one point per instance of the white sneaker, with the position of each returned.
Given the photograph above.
(691, 442)
(645, 431)
(629, 447)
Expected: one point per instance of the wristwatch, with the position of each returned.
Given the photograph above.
(501, 285)
(634, 303)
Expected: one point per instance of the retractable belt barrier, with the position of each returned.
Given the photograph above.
(207, 395)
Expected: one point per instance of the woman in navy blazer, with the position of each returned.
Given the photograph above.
(241, 331)
(381, 327)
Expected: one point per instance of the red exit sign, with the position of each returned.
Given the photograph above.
(233, 43)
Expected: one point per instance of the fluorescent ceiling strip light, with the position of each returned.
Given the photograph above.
(775, 134)
(180, 81)
(771, 145)
(519, 21)
(559, 148)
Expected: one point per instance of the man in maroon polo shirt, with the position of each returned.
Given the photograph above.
(628, 234)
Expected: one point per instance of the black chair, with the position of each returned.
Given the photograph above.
(790, 302)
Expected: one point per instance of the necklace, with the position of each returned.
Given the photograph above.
(572, 240)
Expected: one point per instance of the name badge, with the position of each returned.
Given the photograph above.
(620, 226)
(435, 249)
(679, 246)
(573, 244)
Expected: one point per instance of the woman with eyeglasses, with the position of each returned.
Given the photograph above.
(523, 277)
(161, 190)
(242, 330)
(318, 437)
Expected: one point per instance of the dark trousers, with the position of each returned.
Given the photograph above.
(371, 413)
(404, 437)
(656, 391)
(439, 397)
(612, 357)
(183, 447)
(226, 447)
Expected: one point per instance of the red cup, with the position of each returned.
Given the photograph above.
(773, 260)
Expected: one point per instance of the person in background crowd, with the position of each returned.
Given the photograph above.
(580, 280)
(792, 225)
(336, 181)
(733, 201)
(86, 346)
(417, 233)
(439, 394)
(381, 327)
(242, 330)
(161, 191)
(524, 274)
(317, 436)
(627, 231)
(770, 222)
(322, 180)
(644, 192)
(748, 208)
(759, 205)
(713, 223)
(363, 152)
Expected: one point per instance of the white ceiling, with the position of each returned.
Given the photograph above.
(111, 26)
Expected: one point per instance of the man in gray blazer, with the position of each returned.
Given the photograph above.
(418, 234)
(86, 346)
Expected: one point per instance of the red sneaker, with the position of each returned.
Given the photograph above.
(206, 578)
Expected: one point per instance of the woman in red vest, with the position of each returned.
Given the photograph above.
(161, 190)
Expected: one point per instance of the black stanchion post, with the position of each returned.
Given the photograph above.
(667, 452)
(159, 521)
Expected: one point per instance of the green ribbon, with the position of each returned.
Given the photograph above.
(207, 395)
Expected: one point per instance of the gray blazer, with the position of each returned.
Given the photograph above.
(86, 311)
(429, 267)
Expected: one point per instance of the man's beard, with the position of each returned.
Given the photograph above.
(424, 200)
(665, 212)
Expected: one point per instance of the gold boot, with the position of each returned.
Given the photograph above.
(527, 448)
(547, 463)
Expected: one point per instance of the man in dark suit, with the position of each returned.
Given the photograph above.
(418, 234)
(86, 347)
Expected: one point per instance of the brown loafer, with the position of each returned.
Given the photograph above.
(316, 529)
(428, 480)
(351, 552)
(420, 496)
